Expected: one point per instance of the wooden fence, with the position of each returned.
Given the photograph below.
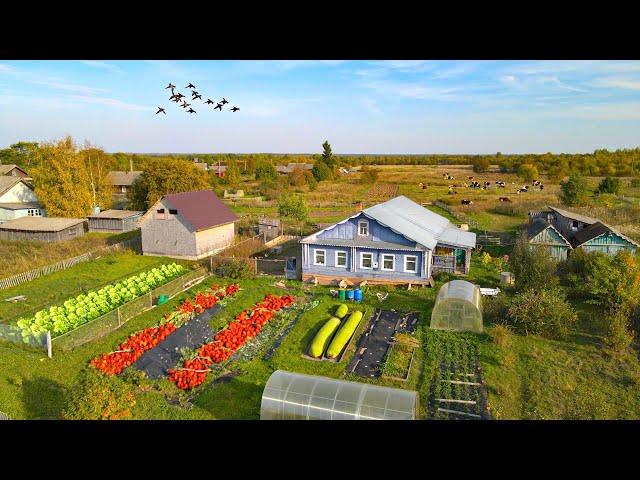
(462, 217)
(15, 280)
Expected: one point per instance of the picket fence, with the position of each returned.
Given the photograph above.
(15, 280)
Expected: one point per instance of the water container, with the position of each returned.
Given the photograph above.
(341, 294)
(357, 295)
(349, 294)
(163, 299)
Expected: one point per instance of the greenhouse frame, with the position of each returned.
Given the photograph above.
(458, 308)
(296, 396)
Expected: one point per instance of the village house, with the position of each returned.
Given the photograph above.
(189, 225)
(42, 229)
(287, 169)
(17, 199)
(576, 230)
(395, 242)
(122, 182)
(12, 171)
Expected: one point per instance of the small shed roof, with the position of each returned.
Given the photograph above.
(574, 216)
(41, 224)
(20, 206)
(124, 178)
(116, 214)
(593, 231)
(201, 208)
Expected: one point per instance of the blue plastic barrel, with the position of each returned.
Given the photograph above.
(357, 295)
(349, 294)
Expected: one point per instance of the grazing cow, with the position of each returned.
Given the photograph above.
(452, 192)
(522, 190)
(424, 187)
(465, 185)
(470, 178)
(466, 202)
(541, 187)
(504, 199)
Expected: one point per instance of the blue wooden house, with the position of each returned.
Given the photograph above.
(580, 231)
(545, 235)
(395, 242)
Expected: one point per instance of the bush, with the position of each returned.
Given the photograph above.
(496, 309)
(236, 268)
(610, 185)
(321, 171)
(266, 171)
(99, 397)
(619, 336)
(293, 206)
(532, 266)
(311, 180)
(501, 335)
(574, 190)
(480, 164)
(528, 172)
(369, 175)
(544, 312)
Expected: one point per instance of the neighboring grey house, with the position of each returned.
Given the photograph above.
(17, 199)
(395, 242)
(190, 225)
(115, 221)
(43, 229)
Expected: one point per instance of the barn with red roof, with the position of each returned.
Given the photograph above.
(189, 225)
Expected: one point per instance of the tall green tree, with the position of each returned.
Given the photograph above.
(160, 177)
(610, 185)
(532, 266)
(327, 155)
(574, 190)
(232, 174)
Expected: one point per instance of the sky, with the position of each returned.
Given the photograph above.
(292, 106)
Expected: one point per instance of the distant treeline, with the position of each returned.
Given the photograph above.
(625, 162)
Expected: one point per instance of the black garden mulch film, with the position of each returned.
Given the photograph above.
(195, 333)
(374, 344)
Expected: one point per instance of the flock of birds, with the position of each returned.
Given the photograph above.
(178, 98)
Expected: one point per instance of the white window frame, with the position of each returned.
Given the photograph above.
(407, 257)
(363, 222)
(362, 254)
(315, 258)
(346, 258)
(393, 262)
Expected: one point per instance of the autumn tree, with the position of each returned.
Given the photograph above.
(480, 164)
(528, 172)
(232, 174)
(160, 177)
(65, 178)
(574, 190)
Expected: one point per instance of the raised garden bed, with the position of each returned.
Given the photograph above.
(307, 354)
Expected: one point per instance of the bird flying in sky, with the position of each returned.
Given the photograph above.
(218, 106)
(171, 86)
(235, 109)
(223, 101)
(191, 85)
(191, 110)
(161, 110)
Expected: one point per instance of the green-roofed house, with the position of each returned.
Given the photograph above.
(545, 235)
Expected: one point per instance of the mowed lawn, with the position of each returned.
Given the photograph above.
(59, 286)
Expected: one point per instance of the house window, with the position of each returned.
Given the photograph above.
(366, 261)
(363, 228)
(388, 262)
(173, 212)
(574, 225)
(34, 212)
(411, 264)
(320, 257)
(160, 214)
(341, 259)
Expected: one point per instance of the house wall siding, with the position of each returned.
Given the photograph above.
(609, 244)
(171, 237)
(215, 238)
(377, 232)
(354, 269)
(19, 193)
(553, 244)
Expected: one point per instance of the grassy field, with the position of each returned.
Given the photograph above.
(18, 257)
(57, 287)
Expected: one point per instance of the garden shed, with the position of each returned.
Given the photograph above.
(295, 396)
(458, 308)
(116, 221)
(43, 229)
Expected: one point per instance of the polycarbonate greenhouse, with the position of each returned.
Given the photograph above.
(458, 308)
(295, 396)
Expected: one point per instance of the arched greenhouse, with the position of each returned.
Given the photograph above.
(458, 308)
(295, 396)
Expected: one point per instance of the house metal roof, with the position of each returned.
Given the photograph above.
(416, 223)
(573, 216)
(40, 224)
(124, 178)
(342, 242)
(20, 206)
(201, 208)
(539, 225)
(116, 214)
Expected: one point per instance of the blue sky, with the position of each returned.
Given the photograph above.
(359, 106)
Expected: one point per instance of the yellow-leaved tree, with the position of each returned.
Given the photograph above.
(69, 181)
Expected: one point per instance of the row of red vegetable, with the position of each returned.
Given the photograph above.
(246, 325)
(114, 363)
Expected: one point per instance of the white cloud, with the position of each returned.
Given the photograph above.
(112, 102)
(417, 91)
(103, 66)
(72, 87)
(4, 68)
(618, 82)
